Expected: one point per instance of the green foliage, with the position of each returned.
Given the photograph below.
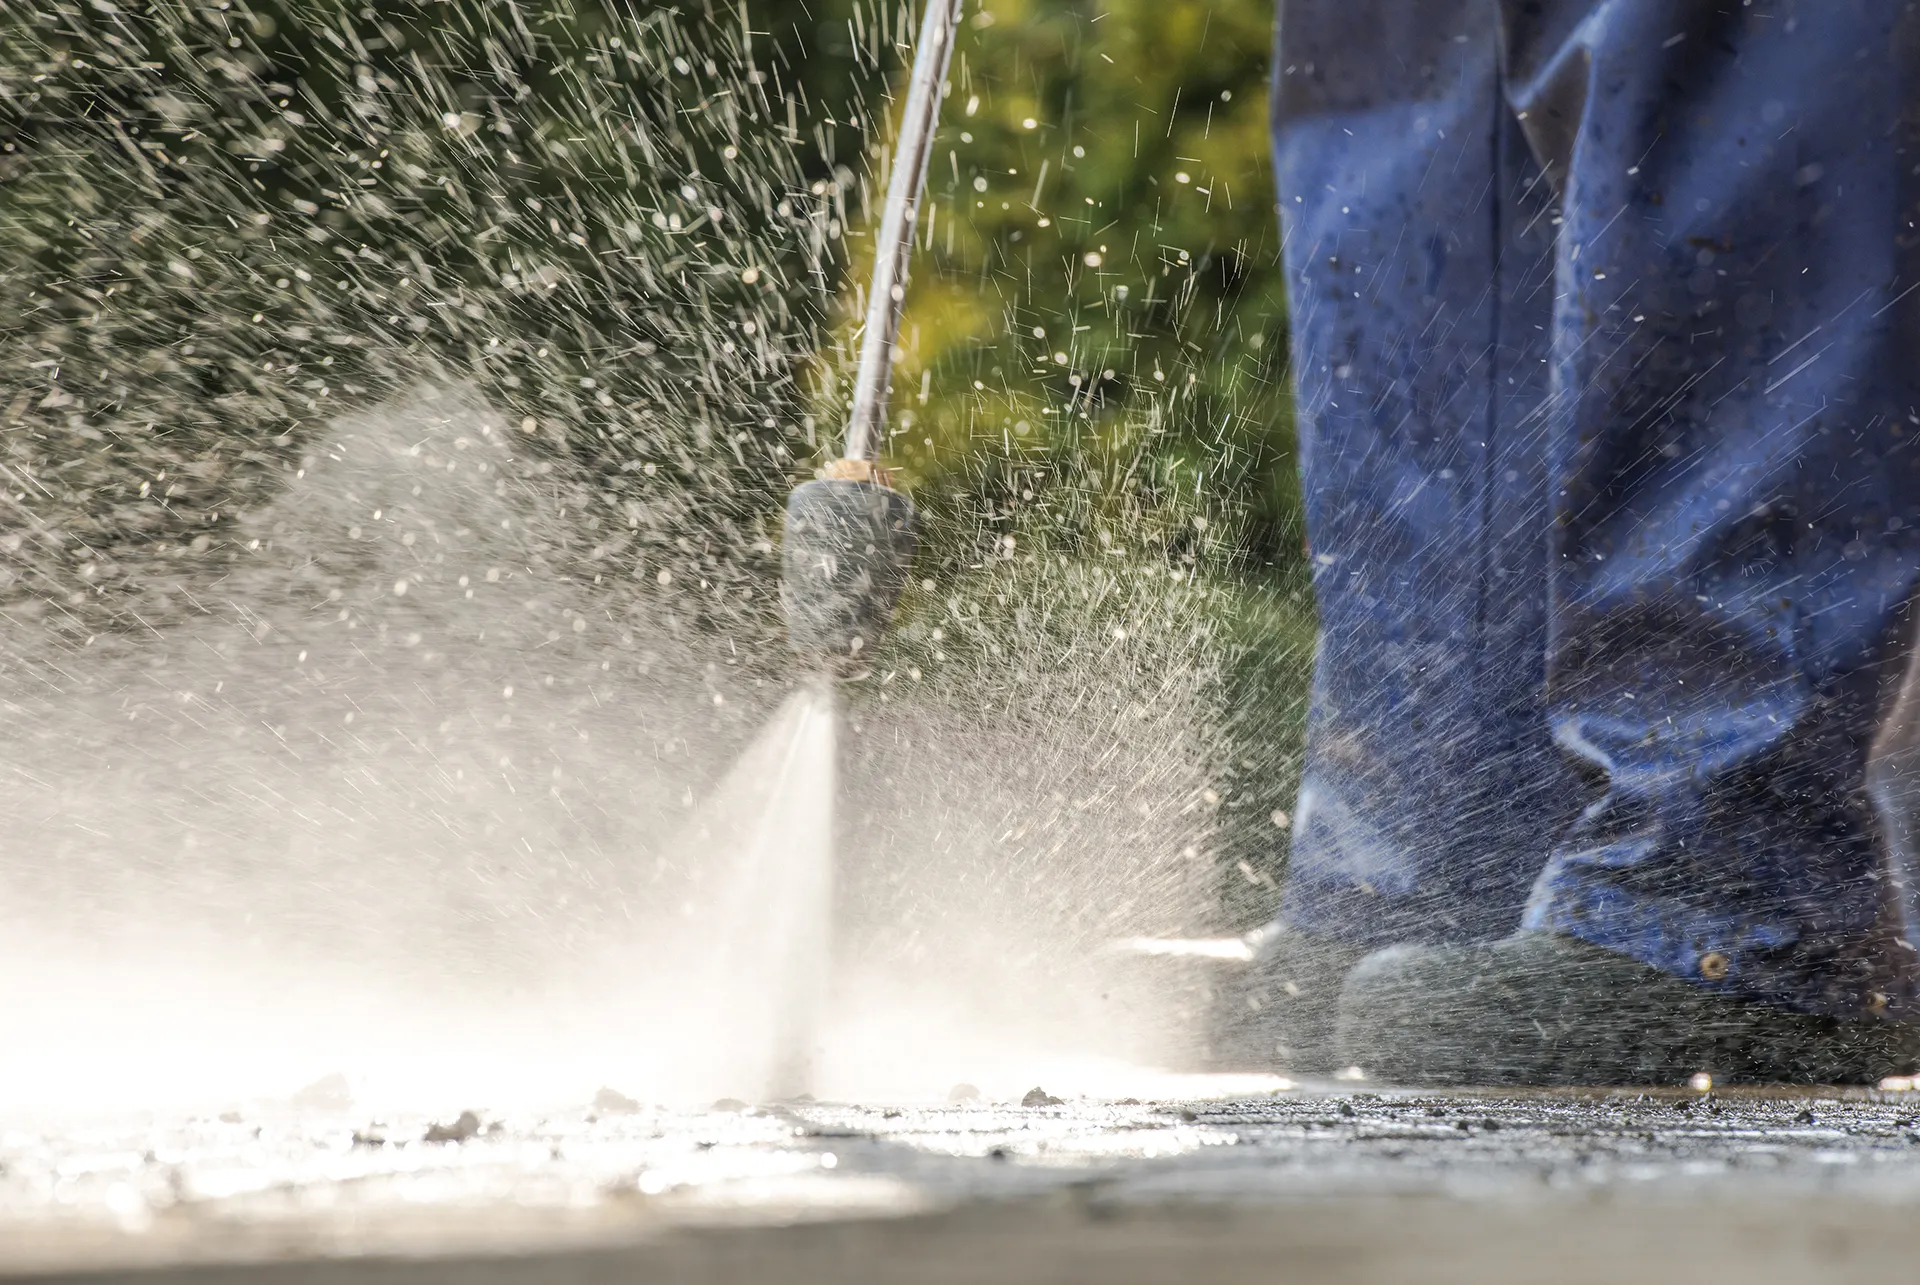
(1094, 368)
(1098, 315)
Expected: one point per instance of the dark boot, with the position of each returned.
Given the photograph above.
(1278, 1013)
(1540, 1008)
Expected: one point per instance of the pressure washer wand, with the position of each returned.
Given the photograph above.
(894, 248)
(850, 536)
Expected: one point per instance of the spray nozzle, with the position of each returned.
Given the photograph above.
(849, 538)
(849, 544)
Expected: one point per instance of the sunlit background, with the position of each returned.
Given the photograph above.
(398, 403)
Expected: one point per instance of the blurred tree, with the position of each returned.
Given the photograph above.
(1098, 316)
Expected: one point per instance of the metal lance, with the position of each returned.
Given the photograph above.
(849, 535)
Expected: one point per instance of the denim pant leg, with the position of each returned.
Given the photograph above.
(1419, 253)
(1734, 397)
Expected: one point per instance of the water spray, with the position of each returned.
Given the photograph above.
(849, 535)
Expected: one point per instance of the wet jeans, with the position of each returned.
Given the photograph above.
(1606, 333)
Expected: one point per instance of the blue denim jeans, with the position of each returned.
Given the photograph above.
(1606, 337)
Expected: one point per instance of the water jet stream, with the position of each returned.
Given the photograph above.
(768, 831)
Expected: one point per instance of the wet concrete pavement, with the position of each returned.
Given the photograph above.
(1315, 1183)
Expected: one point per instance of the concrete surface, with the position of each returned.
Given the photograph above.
(1329, 1183)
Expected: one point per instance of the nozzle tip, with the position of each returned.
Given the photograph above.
(848, 546)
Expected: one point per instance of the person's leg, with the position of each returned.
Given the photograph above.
(1418, 254)
(1735, 497)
